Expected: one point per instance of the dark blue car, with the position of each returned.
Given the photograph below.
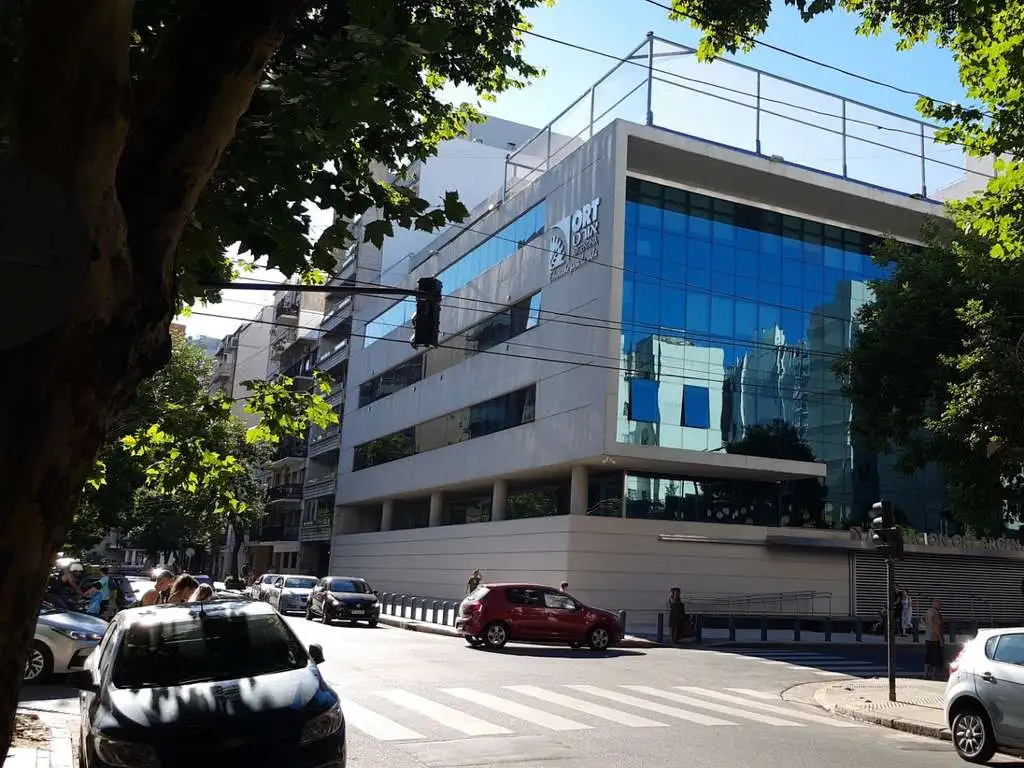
(223, 683)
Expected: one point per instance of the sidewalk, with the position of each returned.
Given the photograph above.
(41, 741)
(413, 625)
(917, 709)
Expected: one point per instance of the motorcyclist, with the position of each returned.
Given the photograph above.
(65, 590)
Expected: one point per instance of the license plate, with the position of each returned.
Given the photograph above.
(357, 613)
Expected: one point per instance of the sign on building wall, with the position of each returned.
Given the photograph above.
(574, 240)
(932, 540)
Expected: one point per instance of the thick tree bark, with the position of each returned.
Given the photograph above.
(133, 189)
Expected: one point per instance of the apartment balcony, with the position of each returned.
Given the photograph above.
(334, 356)
(274, 533)
(222, 373)
(337, 315)
(289, 492)
(301, 369)
(291, 450)
(348, 262)
(315, 531)
(325, 443)
(288, 307)
(324, 485)
(337, 396)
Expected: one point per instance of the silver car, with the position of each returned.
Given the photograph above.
(985, 696)
(289, 594)
(63, 641)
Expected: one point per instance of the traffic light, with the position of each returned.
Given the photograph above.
(886, 536)
(426, 325)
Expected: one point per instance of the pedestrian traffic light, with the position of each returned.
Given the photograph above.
(886, 536)
(426, 325)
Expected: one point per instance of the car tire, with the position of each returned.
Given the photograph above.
(372, 623)
(475, 642)
(39, 664)
(971, 734)
(599, 638)
(496, 635)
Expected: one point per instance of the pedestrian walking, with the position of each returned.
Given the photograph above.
(474, 581)
(676, 615)
(564, 586)
(934, 653)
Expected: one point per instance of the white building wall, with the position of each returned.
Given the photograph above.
(251, 360)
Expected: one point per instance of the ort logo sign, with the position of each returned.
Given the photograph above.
(575, 240)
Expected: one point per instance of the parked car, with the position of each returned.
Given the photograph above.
(289, 593)
(219, 683)
(495, 614)
(343, 597)
(259, 588)
(63, 641)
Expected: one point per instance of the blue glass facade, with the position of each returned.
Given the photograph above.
(732, 320)
(495, 249)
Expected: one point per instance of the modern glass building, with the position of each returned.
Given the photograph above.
(636, 385)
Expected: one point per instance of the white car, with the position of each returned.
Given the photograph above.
(259, 588)
(289, 594)
(985, 695)
(63, 641)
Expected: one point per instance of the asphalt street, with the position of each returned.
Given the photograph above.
(415, 700)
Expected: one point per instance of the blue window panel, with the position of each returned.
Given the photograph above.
(723, 283)
(675, 222)
(534, 317)
(792, 274)
(631, 214)
(793, 325)
(793, 249)
(383, 324)
(748, 238)
(673, 258)
(698, 312)
(771, 243)
(673, 308)
(699, 254)
(814, 277)
(853, 263)
(723, 259)
(746, 263)
(649, 216)
(833, 257)
(647, 305)
(698, 278)
(696, 407)
(723, 232)
(834, 279)
(768, 317)
(643, 401)
(746, 320)
(770, 268)
(700, 228)
(722, 312)
(746, 288)
(770, 293)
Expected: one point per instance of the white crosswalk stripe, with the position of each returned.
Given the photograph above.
(397, 715)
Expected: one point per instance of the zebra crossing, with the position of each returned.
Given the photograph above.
(821, 664)
(397, 715)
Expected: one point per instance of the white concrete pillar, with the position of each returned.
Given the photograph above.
(436, 507)
(498, 496)
(387, 515)
(578, 491)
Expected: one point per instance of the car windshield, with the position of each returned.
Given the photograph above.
(350, 585)
(478, 594)
(199, 649)
(269, 578)
(299, 583)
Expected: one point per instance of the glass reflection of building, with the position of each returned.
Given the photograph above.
(733, 318)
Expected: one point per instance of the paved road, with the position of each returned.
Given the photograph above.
(414, 700)
(830, 662)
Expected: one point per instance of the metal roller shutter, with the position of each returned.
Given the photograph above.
(970, 588)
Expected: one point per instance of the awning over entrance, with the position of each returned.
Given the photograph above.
(707, 464)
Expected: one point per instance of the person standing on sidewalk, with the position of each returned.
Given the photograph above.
(676, 615)
(474, 581)
(934, 654)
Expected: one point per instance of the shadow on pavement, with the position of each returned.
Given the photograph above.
(52, 696)
(548, 652)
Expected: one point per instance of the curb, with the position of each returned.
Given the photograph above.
(412, 625)
(938, 732)
(811, 644)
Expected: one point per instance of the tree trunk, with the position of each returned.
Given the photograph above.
(235, 567)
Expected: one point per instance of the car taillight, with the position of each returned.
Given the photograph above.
(954, 665)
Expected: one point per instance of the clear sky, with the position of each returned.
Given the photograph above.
(617, 26)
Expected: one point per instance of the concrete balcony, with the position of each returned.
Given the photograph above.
(337, 396)
(334, 356)
(324, 485)
(336, 316)
(290, 492)
(274, 533)
(325, 443)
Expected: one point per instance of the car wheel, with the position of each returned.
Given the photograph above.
(475, 642)
(39, 664)
(599, 638)
(496, 635)
(972, 735)
(372, 623)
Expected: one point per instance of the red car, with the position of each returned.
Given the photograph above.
(495, 614)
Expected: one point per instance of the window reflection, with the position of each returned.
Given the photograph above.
(495, 415)
(732, 319)
(495, 249)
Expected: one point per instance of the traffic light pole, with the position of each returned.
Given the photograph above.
(890, 625)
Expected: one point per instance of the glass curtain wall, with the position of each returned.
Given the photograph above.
(732, 320)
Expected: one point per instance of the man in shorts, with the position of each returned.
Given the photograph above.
(934, 653)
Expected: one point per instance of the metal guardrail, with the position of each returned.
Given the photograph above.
(806, 602)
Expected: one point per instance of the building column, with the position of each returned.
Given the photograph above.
(387, 515)
(436, 507)
(498, 496)
(578, 491)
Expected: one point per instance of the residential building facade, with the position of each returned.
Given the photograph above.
(635, 388)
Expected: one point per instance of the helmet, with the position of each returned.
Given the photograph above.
(76, 568)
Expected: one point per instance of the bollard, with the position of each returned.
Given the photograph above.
(383, 598)
(449, 612)
(698, 630)
(622, 622)
(405, 599)
(952, 633)
(796, 630)
(828, 629)
(732, 629)
(858, 629)
(915, 630)
(423, 609)
(661, 627)
(433, 616)
(764, 629)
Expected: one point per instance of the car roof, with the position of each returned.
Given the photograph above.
(345, 578)
(297, 576)
(169, 613)
(517, 585)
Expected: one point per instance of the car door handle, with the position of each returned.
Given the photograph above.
(988, 677)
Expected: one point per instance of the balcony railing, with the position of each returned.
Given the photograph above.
(299, 370)
(334, 356)
(337, 396)
(275, 533)
(327, 441)
(287, 492)
(291, 448)
(321, 486)
(337, 314)
(288, 307)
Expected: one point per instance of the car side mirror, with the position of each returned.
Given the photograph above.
(82, 679)
(316, 653)
(376, 593)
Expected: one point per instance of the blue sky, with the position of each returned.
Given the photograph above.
(617, 26)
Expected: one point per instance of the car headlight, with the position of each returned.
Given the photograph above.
(124, 754)
(323, 725)
(78, 635)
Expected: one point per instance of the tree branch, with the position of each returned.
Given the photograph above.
(188, 105)
(73, 94)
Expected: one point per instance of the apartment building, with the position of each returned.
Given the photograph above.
(243, 356)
